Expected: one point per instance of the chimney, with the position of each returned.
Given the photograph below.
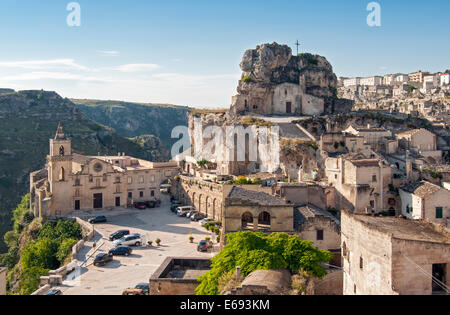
(238, 272)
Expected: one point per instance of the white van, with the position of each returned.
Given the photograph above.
(182, 211)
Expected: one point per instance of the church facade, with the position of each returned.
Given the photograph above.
(72, 182)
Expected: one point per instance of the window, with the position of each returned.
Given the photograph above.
(62, 175)
(130, 195)
(361, 263)
(117, 180)
(372, 203)
(130, 180)
(152, 178)
(141, 194)
(91, 179)
(319, 235)
(77, 182)
(374, 178)
(152, 193)
(335, 176)
(105, 178)
(439, 213)
(61, 151)
(141, 179)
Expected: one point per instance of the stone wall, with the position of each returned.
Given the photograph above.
(2, 281)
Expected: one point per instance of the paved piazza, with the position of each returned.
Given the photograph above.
(126, 272)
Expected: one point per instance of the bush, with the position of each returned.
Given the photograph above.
(248, 79)
(65, 249)
(30, 280)
(158, 241)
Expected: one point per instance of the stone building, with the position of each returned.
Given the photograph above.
(256, 211)
(73, 182)
(178, 276)
(393, 256)
(361, 184)
(426, 201)
(421, 141)
(372, 136)
(321, 227)
(2, 281)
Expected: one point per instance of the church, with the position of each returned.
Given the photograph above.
(71, 182)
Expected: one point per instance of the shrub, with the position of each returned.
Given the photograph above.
(158, 241)
(65, 249)
(248, 79)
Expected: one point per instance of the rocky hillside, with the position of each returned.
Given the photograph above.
(28, 119)
(134, 119)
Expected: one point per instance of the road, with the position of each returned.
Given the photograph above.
(126, 272)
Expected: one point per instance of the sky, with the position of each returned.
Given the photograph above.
(188, 52)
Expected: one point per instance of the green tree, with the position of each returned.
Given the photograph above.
(30, 280)
(258, 251)
(40, 254)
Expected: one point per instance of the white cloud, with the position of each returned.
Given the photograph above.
(44, 64)
(138, 67)
(108, 53)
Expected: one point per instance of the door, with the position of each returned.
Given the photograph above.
(117, 201)
(288, 107)
(77, 205)
(98, 201)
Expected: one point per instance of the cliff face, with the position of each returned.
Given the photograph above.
(28, 119)
(133, 119)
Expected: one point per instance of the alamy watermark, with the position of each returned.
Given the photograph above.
(74, 17)
(228, 144)
(374, 17)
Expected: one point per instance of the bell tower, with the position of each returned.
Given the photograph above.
(60, 161)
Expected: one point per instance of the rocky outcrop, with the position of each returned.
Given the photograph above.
(306, 79)
(153, 146)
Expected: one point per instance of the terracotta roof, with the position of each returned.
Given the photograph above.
(422, 189)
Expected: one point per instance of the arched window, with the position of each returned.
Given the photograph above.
(62, 175)
(247, 219)
(264, 218)
(61, 151)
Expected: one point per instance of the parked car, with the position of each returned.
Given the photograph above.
(145, 287)
(175, 205)
(158, 203)
(205, 221)
(102, 259)
(183, 211)
(98, 219)
(118, 235)
(54, 292)
(198, 216)
(130, 240)
(150, 204)
(140, 205)
(190, 214)
(202, 246)
(120, 251)
(140, 289)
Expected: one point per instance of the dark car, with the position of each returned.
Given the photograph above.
(120, 251)
(140, 205)
(54, 292)
(98, 219)
(151, 204)
(174, 206)
(158, 203)
(202, 246)
(102, 259)
(197, 217)
(145, 287)
(118, 235)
